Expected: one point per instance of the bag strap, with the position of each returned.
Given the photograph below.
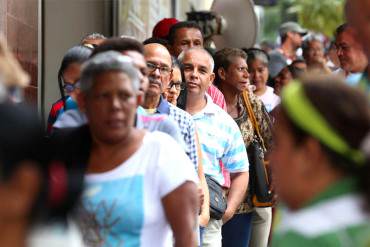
(253, 118)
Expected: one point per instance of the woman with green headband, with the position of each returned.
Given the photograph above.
(320, 165)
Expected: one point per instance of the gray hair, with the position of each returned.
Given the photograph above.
(211, 60)
(108, 61)
(306, 42)
(93, 36)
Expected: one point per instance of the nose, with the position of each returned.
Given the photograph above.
(173, 89)
(116, 103)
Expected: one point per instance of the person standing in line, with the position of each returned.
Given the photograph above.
(219, 137)
(249, 226)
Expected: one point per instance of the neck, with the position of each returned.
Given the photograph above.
(13, 234)
(261, 90)
(288, 49)
(195, 103)
(230, 93)
(151, 101)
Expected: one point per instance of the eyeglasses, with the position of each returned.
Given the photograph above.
(70, 87)
(178, 85)
(163, 70)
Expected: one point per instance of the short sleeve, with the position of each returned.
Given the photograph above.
(235, 158)
(174, 166)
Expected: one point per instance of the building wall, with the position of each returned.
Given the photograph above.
(19, 25)
(65, 24)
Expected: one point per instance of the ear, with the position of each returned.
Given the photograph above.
(211, 79)
(221, 73)
(81, 101)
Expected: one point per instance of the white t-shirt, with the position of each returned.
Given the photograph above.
(269, 99)
(123, 207)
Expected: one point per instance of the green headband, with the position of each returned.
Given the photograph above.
(301, 111)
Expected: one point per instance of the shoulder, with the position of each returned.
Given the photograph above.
(180, 115)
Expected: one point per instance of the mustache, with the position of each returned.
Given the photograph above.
(153, 80)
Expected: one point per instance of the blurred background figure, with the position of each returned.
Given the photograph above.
(12, 77)
(68, 80)
(357, 13)
(258, 62)
(352, 58)
(321, 170)
(93, 40)
(332, 57)
(38, 192)
(314, 54)
(176, 85)
(282, 79)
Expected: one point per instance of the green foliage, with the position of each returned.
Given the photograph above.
(319, 15)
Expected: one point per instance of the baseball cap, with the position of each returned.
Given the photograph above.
(291, 27)
(162, 28)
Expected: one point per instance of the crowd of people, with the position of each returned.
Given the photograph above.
(165, 142)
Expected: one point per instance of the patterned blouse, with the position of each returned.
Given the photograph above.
(248, 132)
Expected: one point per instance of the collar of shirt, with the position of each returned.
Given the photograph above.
(209, 109)
(163, 106)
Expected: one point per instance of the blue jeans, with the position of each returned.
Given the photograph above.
(237, 231)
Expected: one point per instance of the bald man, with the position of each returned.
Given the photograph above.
(219, 137)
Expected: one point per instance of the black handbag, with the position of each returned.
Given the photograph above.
(259, 182)
(217, 201)
(259, 185)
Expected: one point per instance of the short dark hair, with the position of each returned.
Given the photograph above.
(155, 40)
(179, 25)
(119, 45)
(341, 29)
(223, 59)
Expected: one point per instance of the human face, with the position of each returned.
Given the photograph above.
(92, 42)
(358, 17)
(285, 159)
(174, 89)
(140, 64)
(71, 76)
(350, 53)
(110, 107)
(237, 74)
(197, 71)
(186, 38)
(158, 57)
(296, 39)
(259, 74)
(314, 53)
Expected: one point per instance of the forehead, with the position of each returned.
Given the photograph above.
(188, 33)
(137, 57)
(237, 60)
(157, 53)
(346, 37)
(197, 58)
(176, 74)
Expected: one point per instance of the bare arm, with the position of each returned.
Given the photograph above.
(238, 188)
(181, 209)
(204, 213)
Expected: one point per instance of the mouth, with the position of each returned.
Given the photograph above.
(191, 85)
(115, 123)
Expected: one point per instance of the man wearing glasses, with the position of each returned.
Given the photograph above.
(159, 66)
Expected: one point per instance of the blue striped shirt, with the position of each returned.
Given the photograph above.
(220, 139)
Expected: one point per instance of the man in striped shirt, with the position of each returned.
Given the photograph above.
(219, 136)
